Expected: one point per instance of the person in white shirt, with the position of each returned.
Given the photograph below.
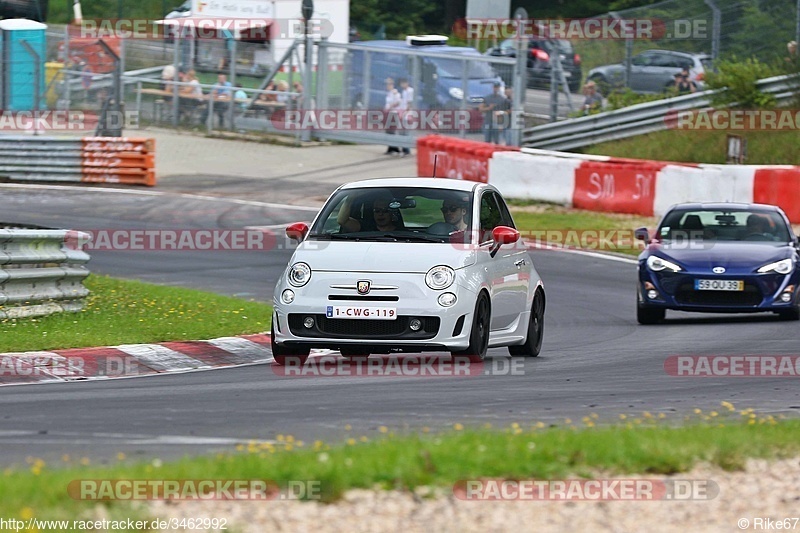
(394, 101)
(407, 104)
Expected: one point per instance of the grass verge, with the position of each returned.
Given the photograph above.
(642, 446)
(130, 312)
(556, 224)
(763, 147)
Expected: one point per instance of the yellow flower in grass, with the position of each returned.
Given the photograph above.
(383, 429)
(728, 405)
(458, 427)
(623, 416)
(26, 513)
(351, 442)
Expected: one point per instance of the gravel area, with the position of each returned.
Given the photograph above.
(763, 490)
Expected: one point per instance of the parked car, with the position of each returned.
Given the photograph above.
(440, 78)
(539, 61)
(719, 258)
(652, 71)
(450, 274)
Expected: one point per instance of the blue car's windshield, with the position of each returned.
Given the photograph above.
(454, 68)
(729, 225)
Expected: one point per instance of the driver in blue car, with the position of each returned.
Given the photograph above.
(758, 229)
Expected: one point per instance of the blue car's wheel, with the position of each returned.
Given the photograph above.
(649, 315)
(791, 314)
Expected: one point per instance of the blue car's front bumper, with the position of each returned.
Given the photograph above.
(676, 290)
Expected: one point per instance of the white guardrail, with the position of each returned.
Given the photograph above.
(42, 272)
(637, 119)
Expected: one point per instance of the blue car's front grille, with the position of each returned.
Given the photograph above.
(749, 297)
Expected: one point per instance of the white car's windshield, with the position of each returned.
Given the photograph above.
(403, 214)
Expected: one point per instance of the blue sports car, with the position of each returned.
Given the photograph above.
(719, 258)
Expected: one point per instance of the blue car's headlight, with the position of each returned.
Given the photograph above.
(781, 267)
(657, 264)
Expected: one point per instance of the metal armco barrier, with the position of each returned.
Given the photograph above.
(41, 272)
(89, 159)
(638, 119)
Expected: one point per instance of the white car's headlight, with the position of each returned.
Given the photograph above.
(456, 93)
(440, 277)
(657, 264)
(781, 267)
(299, 274)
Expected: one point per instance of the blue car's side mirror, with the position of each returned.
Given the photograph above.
(642, 234)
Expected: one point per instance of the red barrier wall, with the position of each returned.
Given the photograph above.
(781, 187)
(456, 158)
(616, 187)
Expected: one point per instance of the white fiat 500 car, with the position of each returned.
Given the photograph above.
(409, 265)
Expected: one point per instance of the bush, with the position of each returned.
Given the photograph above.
(739, 78)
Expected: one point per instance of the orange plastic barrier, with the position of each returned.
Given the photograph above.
(119, 160)
(456, 158)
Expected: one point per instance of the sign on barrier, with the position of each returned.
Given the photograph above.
(620, 188)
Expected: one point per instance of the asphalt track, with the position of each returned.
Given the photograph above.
(596, 359)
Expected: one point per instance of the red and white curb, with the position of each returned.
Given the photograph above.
(133, 360)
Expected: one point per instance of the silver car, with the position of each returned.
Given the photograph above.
(409, 264)
(652, 71)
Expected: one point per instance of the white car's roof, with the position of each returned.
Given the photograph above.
(430, 183)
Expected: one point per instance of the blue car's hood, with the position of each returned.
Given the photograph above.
(739, 255)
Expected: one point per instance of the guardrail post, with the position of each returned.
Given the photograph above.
(102, 128)
(716, 28)
(176, 61)
(231, 49)
(462, 131)
(306, 96)
(139, 102)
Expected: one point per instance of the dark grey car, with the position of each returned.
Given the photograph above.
(538, 61)
(652, 71)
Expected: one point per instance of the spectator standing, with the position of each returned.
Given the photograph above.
(491, 107)
(221, 94)
(508, 115)
(392, 105)
(592, 99)
(406, 105)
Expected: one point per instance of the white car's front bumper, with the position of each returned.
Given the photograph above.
(444, 328)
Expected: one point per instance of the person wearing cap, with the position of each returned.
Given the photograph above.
(491, 107)
(592, 99)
